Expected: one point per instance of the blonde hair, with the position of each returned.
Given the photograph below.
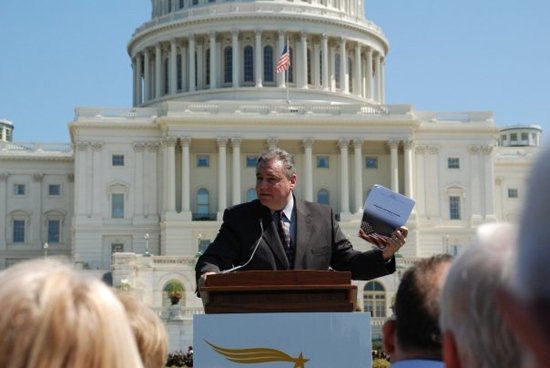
(54, 316)
(149, 331)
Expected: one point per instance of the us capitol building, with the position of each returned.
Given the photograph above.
(140, 191)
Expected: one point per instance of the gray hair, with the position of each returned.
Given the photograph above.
(468, 300)
(280, 155)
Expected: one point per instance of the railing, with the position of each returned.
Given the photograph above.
(35, 147)
(253, 8)
(176, 312)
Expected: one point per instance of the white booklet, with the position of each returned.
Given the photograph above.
(384, 211)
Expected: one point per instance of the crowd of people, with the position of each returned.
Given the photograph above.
(486, 308)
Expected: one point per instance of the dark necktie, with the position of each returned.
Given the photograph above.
(283, 227)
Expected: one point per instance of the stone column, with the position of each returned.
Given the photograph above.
(308, 166)
(476, 192)
(377, 86)
(489, 184)
(236, 61)
(184, 68)
(358, 155)
(140, 193)
(316, 60)
(344, 176)
(394, 171)
(236, 194)
(152, 172)
(173, 74)
(139, 93)
(147, 76)
(382, 82)
(302, 76)
(408, 146)
(185, 178)
(191, 74)
(170, 174)
(81, 170)
(35, 224)
(222, 176)
(158, 71)
(357, 79)
(368, 74)
(258, 59)
(344, 83)
(325, 66)
(213, 62)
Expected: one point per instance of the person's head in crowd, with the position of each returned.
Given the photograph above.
(54, 316)
(413, 331)
(473, 327)
(149, 331)
(526, 304)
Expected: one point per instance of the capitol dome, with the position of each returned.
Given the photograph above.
(216, 50)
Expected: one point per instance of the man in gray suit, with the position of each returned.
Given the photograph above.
(279, 232)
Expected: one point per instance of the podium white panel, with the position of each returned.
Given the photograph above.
(281, 340)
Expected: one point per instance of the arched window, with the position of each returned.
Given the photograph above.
(374, 299)
(179, 73)
(248, 64)
(203, 199)
(268, 64)
(323, 197)
(309, 74)
(251, 195)
(228, 65)
(166, 76)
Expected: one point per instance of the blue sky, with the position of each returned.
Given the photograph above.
(445, 55)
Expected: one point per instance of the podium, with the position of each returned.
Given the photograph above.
(279, 291)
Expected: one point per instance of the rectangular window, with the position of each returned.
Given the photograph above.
(323, 162)
(512, 193)
(454, 208)
(118, 160)
(453, 163)
(203, 161)
(18, 231)
(54, 227)
(54, 189)
(117, 205)
(19, 189)
(371, 162)
(251, 161)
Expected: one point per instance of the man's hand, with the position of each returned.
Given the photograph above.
(202, 279)
(395, 242)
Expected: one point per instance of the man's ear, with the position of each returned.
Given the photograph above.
(450, 351)
(522, 320)
(388, 337)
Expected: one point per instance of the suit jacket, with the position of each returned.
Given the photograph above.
(320, 243)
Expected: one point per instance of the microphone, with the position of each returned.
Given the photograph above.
(253, 252)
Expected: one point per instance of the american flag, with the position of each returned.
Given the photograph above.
(283, 63)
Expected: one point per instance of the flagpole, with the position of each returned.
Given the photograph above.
(287, 92)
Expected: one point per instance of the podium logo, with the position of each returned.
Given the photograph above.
(258, 355)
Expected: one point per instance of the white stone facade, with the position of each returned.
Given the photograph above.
(157, 176)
